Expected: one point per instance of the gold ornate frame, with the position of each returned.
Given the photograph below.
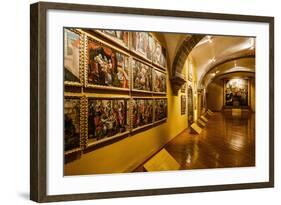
(101, 42)
(154, 69)
(106, 139)
(164, 119)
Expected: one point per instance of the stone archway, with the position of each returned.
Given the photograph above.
(177, 78)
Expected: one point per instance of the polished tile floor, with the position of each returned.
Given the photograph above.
(228, 140)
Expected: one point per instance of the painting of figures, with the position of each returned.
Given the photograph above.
(71, 123)
(142, 112)
(236, 92)
(183, 104)
(71, 56)
(159, 81)
(119, 36)
(140, 43)
(151, 47)
(106, 118)
(158, 54)
(142, 76)
(107, 67)
(160, 109)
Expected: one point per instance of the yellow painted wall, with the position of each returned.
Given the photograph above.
(190, 65)
(215, 95)
(253, 95)
(127, 154)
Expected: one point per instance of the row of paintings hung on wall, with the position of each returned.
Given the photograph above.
(88, 121)
(143, 43)
(92, 62)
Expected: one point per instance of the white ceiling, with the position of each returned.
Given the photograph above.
(213, 50)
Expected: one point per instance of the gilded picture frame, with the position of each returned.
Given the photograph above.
(96, 48)
(141, 119)
(120, 37)
(141, 76)
(160, 110)
(159, 81)
(107, 124)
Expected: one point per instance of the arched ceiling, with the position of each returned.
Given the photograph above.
(214, 56)
(243, 64)
(178, 47)
(217, 55)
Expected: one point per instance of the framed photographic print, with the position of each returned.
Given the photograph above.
(106, 102)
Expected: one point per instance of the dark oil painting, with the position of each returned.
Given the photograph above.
(160, 109)
(158, 53)
(106, 66)
(142, 76)
(107, 117)
(140, 43)
(236, 92)
(159, 81)
(142, 112)
(119, 36)
(71, 123)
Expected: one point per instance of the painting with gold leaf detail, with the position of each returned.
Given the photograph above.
(107, 67)
(107, 117)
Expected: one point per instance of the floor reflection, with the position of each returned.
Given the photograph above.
(227, 141)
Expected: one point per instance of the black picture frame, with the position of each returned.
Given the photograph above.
(38, 100)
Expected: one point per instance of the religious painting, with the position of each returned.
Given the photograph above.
(71, 56)
(107, 118)
(140, 43)
(106, 66)
(160, 109)
(121, 37)
(236, 92)
(159, 54)
(71, 123)
(151, 47)
(142, 76)
(142, 112)
(183, 104)
(159, 81)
